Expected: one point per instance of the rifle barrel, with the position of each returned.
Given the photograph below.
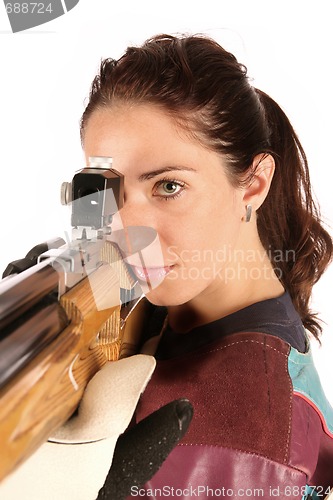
(28, 336)
(21, 292)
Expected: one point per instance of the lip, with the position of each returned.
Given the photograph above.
(151, 274)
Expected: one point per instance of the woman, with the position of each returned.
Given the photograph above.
(215, 167)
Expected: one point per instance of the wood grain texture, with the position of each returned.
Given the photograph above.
(48, 390)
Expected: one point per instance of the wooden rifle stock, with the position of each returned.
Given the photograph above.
(47, 391)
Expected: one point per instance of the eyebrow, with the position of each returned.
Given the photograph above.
(153, 173)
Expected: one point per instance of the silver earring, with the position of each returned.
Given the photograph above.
(248, 213)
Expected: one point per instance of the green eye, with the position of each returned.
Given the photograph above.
(170, 187)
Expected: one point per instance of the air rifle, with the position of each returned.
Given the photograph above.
(65, 310)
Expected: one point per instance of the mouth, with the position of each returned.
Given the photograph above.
(151, 275)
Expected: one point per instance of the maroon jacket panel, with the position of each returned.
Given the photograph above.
(210, 472)
(240, 390)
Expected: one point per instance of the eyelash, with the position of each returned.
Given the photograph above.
(167, 197)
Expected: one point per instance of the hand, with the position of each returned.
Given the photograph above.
(141, 450)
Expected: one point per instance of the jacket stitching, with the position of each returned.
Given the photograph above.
(289, 412)
(244, 342)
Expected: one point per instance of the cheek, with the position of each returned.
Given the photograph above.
(219, 224)
(193, 236)
(205, 220)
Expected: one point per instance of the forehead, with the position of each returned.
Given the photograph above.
(142, 134)
(142, 119)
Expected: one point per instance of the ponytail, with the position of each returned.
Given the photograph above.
(289, 221)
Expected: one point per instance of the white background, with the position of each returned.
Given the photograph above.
(45, 74)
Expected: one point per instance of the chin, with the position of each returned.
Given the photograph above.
(164, 296)
(158, 299)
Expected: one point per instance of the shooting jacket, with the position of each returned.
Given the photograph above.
(262, 426)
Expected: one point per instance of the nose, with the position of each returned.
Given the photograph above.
(133, 229)
(132, 218)
(134, 213)
(117, 222)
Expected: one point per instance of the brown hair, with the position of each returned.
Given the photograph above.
(205, 88)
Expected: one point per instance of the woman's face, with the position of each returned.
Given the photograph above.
(176, 186)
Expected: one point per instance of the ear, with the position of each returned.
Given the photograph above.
(262, 168)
